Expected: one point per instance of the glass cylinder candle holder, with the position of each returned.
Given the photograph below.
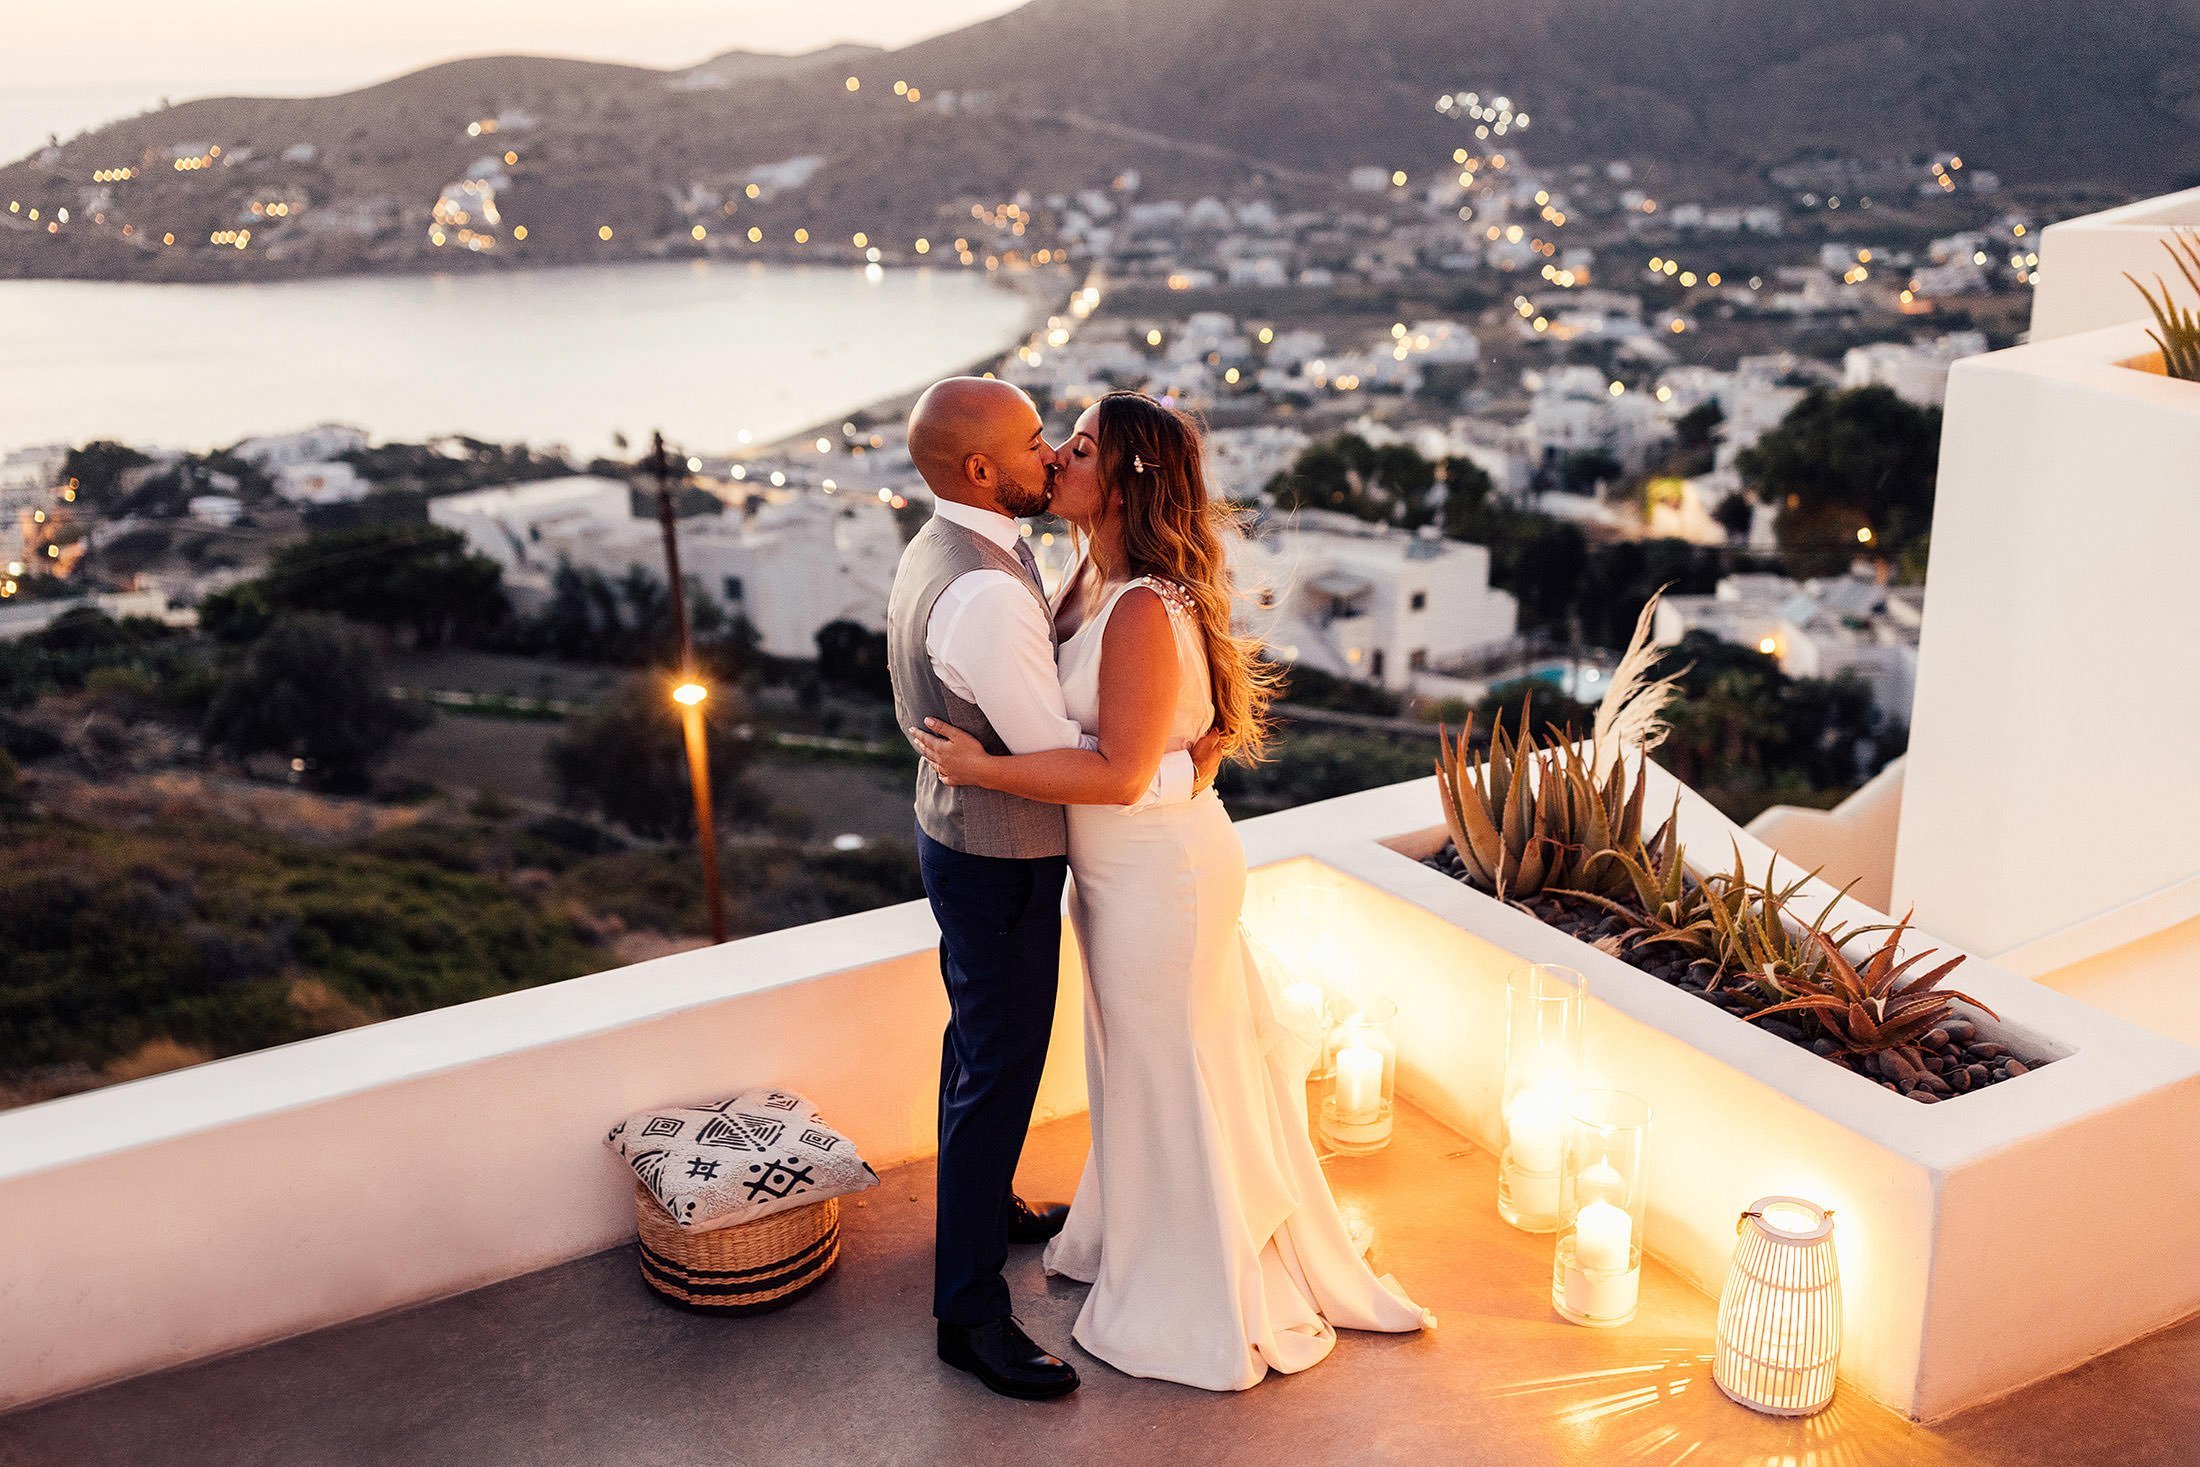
(1543, 1005)
(1780, 1312)
(1359, 1096)
(1596, 1272)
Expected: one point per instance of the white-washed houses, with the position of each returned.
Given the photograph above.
(1916, 371)
(311, 445)
(1365, 601)
(1820, 628)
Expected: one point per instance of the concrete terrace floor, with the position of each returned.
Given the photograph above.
(579, 1366)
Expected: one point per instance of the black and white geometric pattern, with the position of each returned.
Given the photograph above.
(736, 1160)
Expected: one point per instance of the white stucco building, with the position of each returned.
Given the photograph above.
(789, 563)
(1369, 602)
(312, 445)
(525, 527)
(1816, 628)
(321, 483)
(1916, 371)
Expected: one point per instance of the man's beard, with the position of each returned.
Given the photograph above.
(1020, 499)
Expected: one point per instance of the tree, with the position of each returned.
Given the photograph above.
(419, 578)
(1841, 462)
(1746, 733)
(1467, 487)
(313, 688)
(1581, 472)
(1320, 478)
(98, 469)
(626, 759)
(238, 615)
(1735, 515)
(1622, 575)
(1694, 428)
(1540, 561)
(1400, 483)
(853, 656)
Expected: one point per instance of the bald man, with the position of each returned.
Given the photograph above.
(970, 641)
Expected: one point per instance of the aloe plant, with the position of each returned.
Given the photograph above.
(2179, 336)
(1520, 829)
(1661, 904)
(1756, 944)
(1869, 1009)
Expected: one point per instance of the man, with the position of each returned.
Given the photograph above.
(970, 641)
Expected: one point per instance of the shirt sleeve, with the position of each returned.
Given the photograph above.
(989, 644)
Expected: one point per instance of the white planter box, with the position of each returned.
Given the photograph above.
(2049, 776)
(2082, 264)
(1985, 1242)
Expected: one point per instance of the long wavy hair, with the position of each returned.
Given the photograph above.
(1175, 529)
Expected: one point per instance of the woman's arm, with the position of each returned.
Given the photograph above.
(1138, 686)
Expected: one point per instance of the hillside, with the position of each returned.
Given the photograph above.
(1196, 95)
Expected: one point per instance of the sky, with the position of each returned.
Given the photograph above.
(66, 65)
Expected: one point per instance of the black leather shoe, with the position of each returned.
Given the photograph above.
(1028, 1224)
(1002, 1356)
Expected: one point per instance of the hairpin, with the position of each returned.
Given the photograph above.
(1138, 465)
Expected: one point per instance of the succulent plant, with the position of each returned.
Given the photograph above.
(1756, 945)
(1661, 903)
(1535, 815)
(2179, 337)
(1870, 1009)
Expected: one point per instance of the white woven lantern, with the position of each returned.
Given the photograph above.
(1780, 1314)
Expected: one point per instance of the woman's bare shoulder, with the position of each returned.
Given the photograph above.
(1174, 597)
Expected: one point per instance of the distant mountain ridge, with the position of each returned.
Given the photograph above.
(1197, 95)
(2043, 89)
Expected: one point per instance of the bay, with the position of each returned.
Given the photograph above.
(700, 349)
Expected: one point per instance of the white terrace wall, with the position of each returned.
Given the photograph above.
(2050, 774)
(2082, 264)
(1985, 1242)
(248, 1199)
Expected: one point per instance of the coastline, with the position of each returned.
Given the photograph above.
(650, 346)
(1040, 302)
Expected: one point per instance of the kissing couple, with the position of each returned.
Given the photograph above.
(1081, 737)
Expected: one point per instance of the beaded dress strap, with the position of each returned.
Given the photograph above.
(1173, 596)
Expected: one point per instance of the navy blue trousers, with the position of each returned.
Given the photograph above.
(1000, 955)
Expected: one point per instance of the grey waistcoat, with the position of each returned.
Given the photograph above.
(979, 822)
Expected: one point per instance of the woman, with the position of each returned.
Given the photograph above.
(1203, 1222)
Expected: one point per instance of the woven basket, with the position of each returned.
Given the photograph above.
(749, 1268)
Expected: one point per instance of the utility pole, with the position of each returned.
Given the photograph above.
(690, 693)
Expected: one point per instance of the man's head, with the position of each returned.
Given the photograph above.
(977, 441)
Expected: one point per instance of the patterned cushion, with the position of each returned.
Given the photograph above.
(764, 1151)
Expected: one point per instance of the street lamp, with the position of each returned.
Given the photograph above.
(689, 694)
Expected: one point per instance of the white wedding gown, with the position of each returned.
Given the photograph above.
(1203, 1221)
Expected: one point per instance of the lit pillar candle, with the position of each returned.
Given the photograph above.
(1601, 1182)
(1535, 1127)
(1359, 1085)
(1604, 1237)
(1598, 1284)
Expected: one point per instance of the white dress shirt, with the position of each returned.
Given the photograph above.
(989, 641)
